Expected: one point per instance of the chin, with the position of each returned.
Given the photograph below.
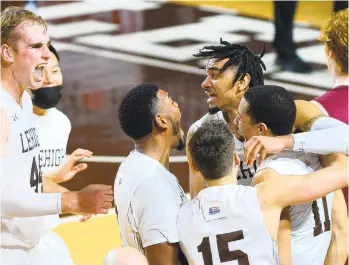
(180, 145)
(213, 110)
(36, 85)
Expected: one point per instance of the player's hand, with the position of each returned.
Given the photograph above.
(69, 169)
(85, 217)
(262, 145)
(95, 199)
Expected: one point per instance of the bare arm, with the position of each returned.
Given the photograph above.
(284, 237)
(307, 114)
(331, 132)
(284, 232)
(291, 190)
(196, 180)
(337, 252)
(162, 254)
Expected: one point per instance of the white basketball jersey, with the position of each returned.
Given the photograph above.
(20, 168)
(53, 130)
(147, 215)
(311, 222)
(224, 225)
(245, 174)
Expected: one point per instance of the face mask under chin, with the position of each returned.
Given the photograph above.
(47, 97)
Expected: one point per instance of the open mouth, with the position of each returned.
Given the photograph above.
(211, 96)
(39, 72)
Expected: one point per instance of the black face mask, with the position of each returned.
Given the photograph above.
(47, 97)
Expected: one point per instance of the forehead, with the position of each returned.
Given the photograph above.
(53, 59)
(161, 93)
(32, 32)
(214, 63)
(243, 106)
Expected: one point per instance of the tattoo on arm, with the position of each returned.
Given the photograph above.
(307, 125)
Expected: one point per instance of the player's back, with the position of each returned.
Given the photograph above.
(224, 224)
(134, 172)
(310, 222)
(245, 174)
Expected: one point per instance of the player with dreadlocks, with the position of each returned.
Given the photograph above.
(231, 70)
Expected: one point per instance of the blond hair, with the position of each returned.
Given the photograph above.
(334, 33)
(11, 18)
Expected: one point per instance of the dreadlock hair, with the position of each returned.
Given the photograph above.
(240, 57)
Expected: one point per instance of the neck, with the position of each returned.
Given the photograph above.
(230, 115)
(226, 180)
(9, 83)
(341, 80)
(155, 147)
(39, 112)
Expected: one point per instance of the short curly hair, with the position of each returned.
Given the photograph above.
(212, 149)
(334, 33)
(137, 110)
(272, 105)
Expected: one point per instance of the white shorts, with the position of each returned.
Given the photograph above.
(50, 250)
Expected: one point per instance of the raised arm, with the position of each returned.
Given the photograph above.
(331, 133)
(291, 190)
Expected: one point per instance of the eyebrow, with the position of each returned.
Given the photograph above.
(39, 44)
(213, 68)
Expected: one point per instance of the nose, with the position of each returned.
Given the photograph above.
(49, 79)
(207, 83)
(45, 52)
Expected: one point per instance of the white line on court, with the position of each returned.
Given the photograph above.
(76, 218)
(119, 159)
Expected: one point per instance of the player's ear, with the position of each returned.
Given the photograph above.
(160, 121)
(7, 54)
(195, 166)
(243, 84)
(262, 129)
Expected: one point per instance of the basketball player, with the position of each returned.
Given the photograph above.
(229, 223)
(334, 103)
(53, 129)
(147, 196)
(231, 70)
(271, 111)
(24, 55)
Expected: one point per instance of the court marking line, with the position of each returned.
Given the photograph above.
(119, 159)
(314, 92)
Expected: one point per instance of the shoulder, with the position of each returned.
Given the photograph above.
(291, 163)
(60, 117)
(207, 117)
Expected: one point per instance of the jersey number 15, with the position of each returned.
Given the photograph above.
(225, 254)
